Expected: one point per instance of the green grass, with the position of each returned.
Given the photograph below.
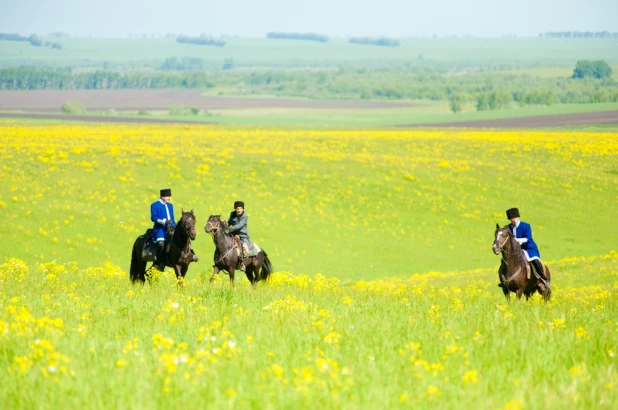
(76, 337)
(416, 208)
(263, 52)
(355, 203)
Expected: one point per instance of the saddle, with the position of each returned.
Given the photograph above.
(149, 252)
(249, 252)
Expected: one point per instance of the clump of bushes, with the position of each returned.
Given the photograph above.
(74, 108)
(182, 111)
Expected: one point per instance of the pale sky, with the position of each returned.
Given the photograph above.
(335, 18)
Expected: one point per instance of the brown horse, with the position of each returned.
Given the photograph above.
(257, 268)
(516, 273)
(178, 254)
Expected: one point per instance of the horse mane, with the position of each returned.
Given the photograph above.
(516, 251)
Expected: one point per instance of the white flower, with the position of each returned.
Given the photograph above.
(51, 369)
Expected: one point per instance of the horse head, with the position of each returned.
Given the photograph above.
(214, 224)
(187, 222)
(501, 238)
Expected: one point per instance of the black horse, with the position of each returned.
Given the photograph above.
(515, 271)
(178, 253)
(257, 268)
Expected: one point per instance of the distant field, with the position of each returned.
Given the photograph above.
(279, 111)
(258, 52)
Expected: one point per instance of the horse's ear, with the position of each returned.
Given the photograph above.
(191, 210)
(497, 226)
(182, 210)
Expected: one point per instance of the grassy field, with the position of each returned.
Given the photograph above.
(428, 113)
(425, 113)
(74, 337)
(385, 284)
(355, 203)
(523, 52)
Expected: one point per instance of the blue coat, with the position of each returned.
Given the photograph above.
(524, 231)
(160, 212)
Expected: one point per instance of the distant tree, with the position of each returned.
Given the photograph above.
(56, 45)
(381, 41)
(35, 40)
(298, 36)
(457, 102)
(228, 64)
(592, 69)
(74, 108)
(202, 40)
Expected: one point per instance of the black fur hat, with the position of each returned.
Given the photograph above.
(512, 213)
(239, 204)
(166, 192)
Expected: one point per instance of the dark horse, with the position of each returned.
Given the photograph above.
(226, 257)
(178, 253)
(515, 271)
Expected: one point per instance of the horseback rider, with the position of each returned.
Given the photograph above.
(237, 225)
(162, 211)
(523, 234)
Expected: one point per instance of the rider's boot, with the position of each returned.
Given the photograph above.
(501, 276)
(538, 266)
(243, 253)
(161, 255)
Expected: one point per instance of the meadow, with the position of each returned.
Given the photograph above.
(355, 203)
(74, 337)
(385, 284)
(137, 53)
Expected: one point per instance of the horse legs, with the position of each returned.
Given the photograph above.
(507, 293)
(232, 276)
(215, 272)
(179, 274)
(520, 292)
(252, 273)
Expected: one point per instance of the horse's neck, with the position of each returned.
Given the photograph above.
(222, 241)
(180, 237)
(511, 249)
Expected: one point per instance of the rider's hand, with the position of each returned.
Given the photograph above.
(520, 240)
(161, 221)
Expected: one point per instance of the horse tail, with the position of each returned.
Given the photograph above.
(267, 268)
(138, 266)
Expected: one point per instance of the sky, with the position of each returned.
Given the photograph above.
(334, 18)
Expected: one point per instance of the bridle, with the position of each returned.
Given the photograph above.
(213, 230)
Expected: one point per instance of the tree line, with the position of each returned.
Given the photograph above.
(34, 78)
(33, 39)
(380, 41)
(202, 41)
(298, 36)
(578, 34)
(486, 90)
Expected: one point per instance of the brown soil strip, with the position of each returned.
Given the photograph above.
(96, 118)
(558, 120)
(134, 100)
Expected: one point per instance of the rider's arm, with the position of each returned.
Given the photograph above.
(154, 215)
(173, 220)
(526, 233)
(241, 223)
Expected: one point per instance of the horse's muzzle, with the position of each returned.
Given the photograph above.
(496, 250)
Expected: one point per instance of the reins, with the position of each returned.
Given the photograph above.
(214, 233)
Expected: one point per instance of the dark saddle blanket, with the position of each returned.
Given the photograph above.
(149, 252)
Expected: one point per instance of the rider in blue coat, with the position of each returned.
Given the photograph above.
(523, 233)
(162, 211)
